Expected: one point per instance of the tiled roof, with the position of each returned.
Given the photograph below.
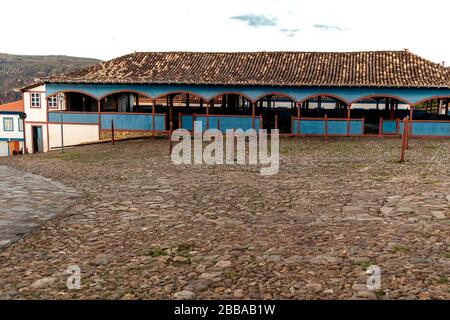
(12, 106)
(374, 69)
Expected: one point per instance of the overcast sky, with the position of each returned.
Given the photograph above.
(107, 29)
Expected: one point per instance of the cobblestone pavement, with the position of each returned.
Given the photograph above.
(27, 200)
(145, 228)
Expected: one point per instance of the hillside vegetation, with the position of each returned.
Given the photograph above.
(19, 70)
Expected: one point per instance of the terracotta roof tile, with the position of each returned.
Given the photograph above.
(376, 68)
(12, 106)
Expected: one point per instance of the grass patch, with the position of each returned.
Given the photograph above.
(183, 249)
(400, 249)
(82, 157)
(365, 264)
(156, 252)
(442, 280)
(230, 275)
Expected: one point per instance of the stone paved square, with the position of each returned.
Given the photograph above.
(144, 228)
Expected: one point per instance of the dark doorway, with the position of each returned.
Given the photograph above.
(37, 139)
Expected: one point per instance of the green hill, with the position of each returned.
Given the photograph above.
(19, 70)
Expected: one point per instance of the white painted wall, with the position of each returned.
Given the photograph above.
(10, 135)
(16, 134)
(73, 134)
(35, 117)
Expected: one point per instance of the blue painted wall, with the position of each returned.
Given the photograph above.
(132, 121)
(334, 127)
(253, 92)
(390, 127)
(243, 123)
(431, 129)
(73, 117)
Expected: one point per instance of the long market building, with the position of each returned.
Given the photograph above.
(299, 93)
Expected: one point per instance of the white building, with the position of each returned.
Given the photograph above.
(11, 128)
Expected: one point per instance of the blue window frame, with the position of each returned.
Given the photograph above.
(8, 124)
(20, 125)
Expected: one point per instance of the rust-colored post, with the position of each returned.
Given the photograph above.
(153, 116)
(362, 126)
(348, 120)
(112, 132)
(170, 137)
(260, 121)
(292, 125)
(407, 134)
(403, 147)
(380, 128)
(276, 121)
(253, 115)
(207, 115)
(298, 119)
(179, 120)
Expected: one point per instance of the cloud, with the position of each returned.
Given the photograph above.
(289, 32)
(327, 27)
(257, 20)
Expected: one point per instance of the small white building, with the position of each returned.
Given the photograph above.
(11, 128)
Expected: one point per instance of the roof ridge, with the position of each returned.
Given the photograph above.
(382, 68)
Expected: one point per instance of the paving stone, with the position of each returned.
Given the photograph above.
(224, 232)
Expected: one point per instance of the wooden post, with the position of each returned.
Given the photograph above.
(253, 115)
(207, 115)
(153, 116)
(193, 121)
(112, 132)
(276, 121)
(380, 127)
(446, 107)
(179, 120)
(348, 120)
(411, 112)
(403, 146)
(407, 133)
(298, 119)
(170, 108)
(170, 137)
(362, 125)
(326, 127)
(260, 121)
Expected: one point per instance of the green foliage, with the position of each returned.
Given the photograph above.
(17, 71)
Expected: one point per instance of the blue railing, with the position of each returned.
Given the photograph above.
(73, 117)
(122, 121)
(431, 128)
(222, 122)
(332, 127)
(139, 122)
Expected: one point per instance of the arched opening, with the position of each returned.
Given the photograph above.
(318, 106)
(232, 103)
(276, 110)
(378, 108)
(180, 107)
(72, 101)
(432, 109)
(126, 102)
